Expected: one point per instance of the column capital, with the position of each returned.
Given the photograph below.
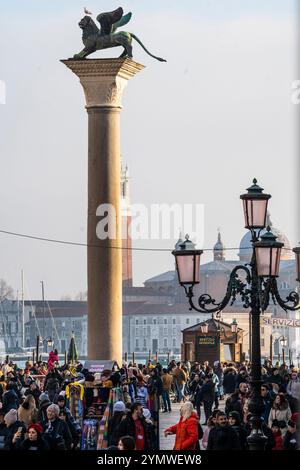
(103, 80)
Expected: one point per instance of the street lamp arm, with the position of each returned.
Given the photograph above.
(293, 298)
(235, 287)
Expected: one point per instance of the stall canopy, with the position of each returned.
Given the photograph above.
(100, 366)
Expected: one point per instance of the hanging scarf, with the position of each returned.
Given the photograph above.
(75, 384)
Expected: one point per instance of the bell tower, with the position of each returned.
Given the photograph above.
(126, 224)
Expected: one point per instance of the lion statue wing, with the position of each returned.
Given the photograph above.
(107, 20)
(124, 20)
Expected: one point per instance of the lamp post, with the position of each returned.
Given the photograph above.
(283, 342)
(255, 289)
(45, 342)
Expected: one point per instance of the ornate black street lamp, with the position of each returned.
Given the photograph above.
(256, 288)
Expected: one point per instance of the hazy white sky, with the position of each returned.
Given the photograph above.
(196, 129)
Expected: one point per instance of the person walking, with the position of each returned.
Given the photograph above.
(186, 429)
(114, 421)
(207, 396)
(167, 380)
(180, 378)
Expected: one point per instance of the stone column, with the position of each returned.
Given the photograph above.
(103, 82)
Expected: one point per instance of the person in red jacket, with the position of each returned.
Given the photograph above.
(277, 435)
(186, 429)
(52, 359)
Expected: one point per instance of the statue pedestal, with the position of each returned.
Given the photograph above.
(103, 82)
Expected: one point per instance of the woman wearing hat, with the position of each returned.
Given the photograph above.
(35, 440)
(114, 421)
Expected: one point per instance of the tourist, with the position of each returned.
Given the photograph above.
(113, 422)
(223, 436)
(281, 412)
(56, 431)
(134, 425)
(186, 429)
(27, 411)
(166, 385)
(34, 440)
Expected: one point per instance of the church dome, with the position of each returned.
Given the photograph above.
(245, 250)
(219, 249)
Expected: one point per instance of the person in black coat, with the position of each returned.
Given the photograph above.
(34, 440)
(292, 439)
(234, 403)
(229, 381)
(44, 402)
(127, 426)
(10, 398)
(275, 378)
(207, 396)
(222, 436)
(16, 430)
(3, 430)
(114, 421)
(234, 420)
(55, 431)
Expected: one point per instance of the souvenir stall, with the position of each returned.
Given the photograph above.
(101, 393)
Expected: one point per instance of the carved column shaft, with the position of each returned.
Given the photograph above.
(103, 81)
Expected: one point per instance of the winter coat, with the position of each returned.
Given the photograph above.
(186, 433)
(207, 392)
(27, 416)
(180, 376)
(40, 445)
(278, 440)
(57, 434)
(293, 389)
(167, 380)
(8, 443)
(223, 438)
(234, 404)
(10, 401)
(113, 425)
(42, 412)
(268, 401)
(229, 382)
(127, 428)
(281, 414)
(291, 441)
(242, 435)
(52, 387)
(52, 359)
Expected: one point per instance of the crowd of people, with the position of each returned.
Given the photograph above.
(35, 414)
(203, 387)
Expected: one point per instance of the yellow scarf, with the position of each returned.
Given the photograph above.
(75, 384)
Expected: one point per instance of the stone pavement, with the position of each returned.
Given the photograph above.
(169, 419)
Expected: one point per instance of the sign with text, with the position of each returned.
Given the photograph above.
(207, 341)
(285, 322)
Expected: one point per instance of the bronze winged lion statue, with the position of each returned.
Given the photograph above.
(95, 39)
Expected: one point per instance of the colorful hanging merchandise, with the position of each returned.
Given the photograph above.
(89, 434)
(103, 425)
(75, 394)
